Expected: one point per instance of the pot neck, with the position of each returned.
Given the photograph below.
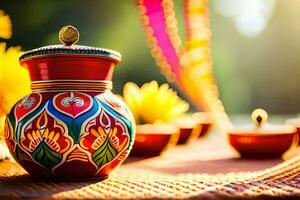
(57, 67)
(71, 85)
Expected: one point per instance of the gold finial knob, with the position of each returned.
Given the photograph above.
(259, 116)
(68, 35)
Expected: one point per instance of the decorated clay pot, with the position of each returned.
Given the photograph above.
(71, 126)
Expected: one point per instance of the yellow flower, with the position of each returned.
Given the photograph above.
(4, 152)
(5, 26)
(153, 104)
(14, 79)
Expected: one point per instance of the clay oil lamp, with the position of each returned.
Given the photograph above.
(295, 122)
(189, 129)
(205, 122)
(262, 140)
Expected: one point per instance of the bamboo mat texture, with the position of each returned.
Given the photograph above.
(202, 170)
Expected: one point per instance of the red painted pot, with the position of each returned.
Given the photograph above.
(71, 126)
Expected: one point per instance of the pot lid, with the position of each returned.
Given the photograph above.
(260, 125)
(69, 36)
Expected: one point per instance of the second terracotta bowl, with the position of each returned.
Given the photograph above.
(152, 140)
(205, 122)
(189, 129)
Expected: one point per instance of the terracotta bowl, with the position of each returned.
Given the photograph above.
(295, 122)
(205, 122)
(185, 135)
(153, 140)
(188, 129)
(253, 144)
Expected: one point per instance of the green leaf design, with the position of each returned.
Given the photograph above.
(104, 154)
(46, 156)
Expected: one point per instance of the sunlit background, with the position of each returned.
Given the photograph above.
(255, 44)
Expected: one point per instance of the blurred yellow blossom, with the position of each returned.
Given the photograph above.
(14, 79)
(14, 84)
(153, 104)
(5, 26)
